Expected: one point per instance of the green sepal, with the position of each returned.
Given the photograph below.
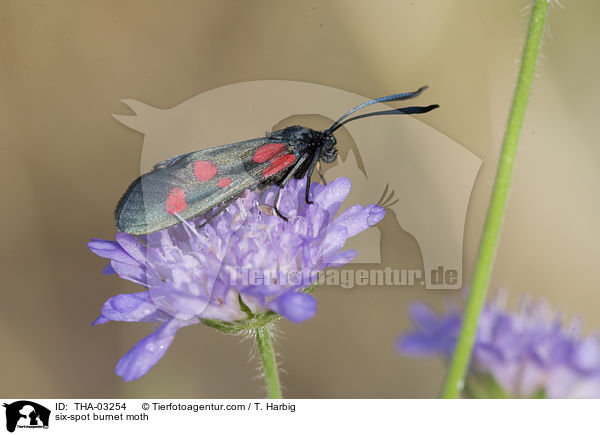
(252, 322)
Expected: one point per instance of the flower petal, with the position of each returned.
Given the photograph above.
(358, 218)
(333, 194)
(132, 246)
(108, 270)
(423, 316)
(146, 352)
(296, 307)
(416, 344)
(132, 307)
(131, 272)
(100, 320)
(112, 250)
(178, 303)
(342, 258)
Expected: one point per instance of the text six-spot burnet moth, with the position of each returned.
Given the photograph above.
(191, 184)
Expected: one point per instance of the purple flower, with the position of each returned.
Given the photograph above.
(244, 263)
(528, 353)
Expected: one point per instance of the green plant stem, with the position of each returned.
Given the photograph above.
(455, 376)
(269, 363)
(259, 325)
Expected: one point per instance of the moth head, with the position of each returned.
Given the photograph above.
(329, 151)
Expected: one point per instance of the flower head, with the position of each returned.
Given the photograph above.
(528, 353)
(245, 262)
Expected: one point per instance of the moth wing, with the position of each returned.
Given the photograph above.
(193, 183)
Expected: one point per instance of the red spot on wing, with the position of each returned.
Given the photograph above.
(224, 182)
(267, 152)
(279, 164)
(176, 201)
(204, 170)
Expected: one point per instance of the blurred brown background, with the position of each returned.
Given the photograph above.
(65, 162)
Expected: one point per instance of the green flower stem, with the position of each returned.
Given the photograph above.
(455, 376)
(259, 325)
(269, 363)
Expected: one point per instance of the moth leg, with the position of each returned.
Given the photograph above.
(311, 168)
(275, 207)
(214, 215)
(285, 181)
(186, 223)
(222, 207)
(321, 173)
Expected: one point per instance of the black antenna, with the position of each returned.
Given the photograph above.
(395, 97)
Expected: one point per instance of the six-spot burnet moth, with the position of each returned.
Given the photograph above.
(192, 184)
